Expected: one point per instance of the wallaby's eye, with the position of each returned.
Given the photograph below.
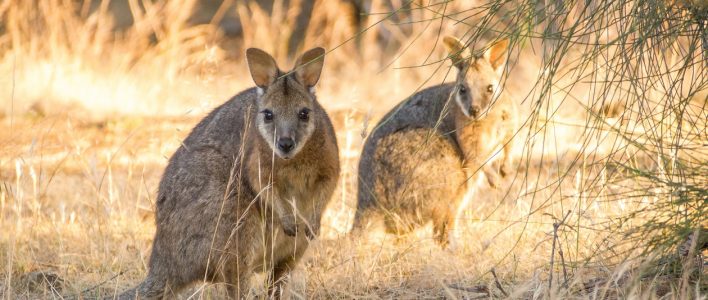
(490, 88)
(463, 89)
(304, 114)
(267, 115)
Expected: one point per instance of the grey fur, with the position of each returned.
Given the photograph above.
(224, 196)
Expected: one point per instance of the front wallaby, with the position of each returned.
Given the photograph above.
(267, 159)
(417, 163)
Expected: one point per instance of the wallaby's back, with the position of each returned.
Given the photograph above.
(413, 182)
(427, 110)
(411, 167)
(189, 201)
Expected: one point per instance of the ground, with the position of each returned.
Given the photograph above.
(78, 197)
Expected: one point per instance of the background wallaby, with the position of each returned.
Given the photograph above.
(266, 159)
(417, 162)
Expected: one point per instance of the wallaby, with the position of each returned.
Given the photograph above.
(417, 162)
(266, 159)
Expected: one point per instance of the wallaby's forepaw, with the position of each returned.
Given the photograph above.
(504, 170)
(442, 234)
(443, 240)
(493, 179)
(312, 232)
(290, 230)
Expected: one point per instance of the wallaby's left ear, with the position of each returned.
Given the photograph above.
(496, 55)
(457, 51)
(309, 66)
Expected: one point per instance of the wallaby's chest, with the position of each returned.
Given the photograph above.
(479, 139)
(296, 182)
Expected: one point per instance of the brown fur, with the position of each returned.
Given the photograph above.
(229, 189)
(417, 164)
(397, 167)
(494, 124)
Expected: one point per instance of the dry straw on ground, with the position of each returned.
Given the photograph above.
(612, 160)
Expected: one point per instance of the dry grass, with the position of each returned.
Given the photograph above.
(90, 115)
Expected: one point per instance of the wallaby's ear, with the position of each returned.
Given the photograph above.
(457, 50)
(309, 66)
(263, 68)
(496, 55)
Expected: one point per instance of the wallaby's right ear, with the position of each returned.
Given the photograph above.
(263, 68)
(457, 50)
(496, 55)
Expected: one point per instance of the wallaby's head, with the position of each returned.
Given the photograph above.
(478, 77)
(286, 115)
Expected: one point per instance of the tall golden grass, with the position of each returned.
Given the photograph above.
(612, 155)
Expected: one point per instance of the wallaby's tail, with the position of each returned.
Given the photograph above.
(150, 288)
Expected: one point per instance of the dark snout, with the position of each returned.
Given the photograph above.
(286, 144)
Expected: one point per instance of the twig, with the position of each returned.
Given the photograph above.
(496, 282)
(560, 252)
(103, 282)
(565, 272)
(479, 289)
(553, 252)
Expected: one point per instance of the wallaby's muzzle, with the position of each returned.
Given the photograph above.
(285, 144)
(474, 111)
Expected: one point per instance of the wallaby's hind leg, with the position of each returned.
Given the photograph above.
(365, 222)
(277, 275)
(444, 225)
(235, 265)
(153, 287)
(441, 231)
(238, 285)
(235, 273)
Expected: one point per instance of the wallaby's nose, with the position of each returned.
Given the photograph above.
(474, 110)
(286, 144)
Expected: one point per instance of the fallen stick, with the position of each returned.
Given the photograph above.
(496, 282)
